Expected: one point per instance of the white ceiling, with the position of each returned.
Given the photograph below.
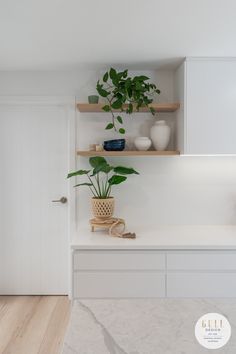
(66, 34)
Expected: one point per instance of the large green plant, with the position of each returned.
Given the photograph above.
(118, 88)
(100, 180)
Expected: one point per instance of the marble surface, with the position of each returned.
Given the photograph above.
(144, 326)
(160, 237)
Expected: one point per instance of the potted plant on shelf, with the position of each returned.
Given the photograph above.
(100, 180)
(125, 94)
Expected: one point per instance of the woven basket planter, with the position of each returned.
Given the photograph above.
(103, 208)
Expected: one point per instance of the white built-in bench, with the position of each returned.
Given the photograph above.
(167, 261)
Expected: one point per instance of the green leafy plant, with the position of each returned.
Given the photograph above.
(99, 178)
(119, 89)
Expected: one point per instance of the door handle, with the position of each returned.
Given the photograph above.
(62, 200)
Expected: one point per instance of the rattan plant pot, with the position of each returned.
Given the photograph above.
(103, 208)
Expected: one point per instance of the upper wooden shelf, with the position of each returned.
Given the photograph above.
(127, 153)
(97, 107)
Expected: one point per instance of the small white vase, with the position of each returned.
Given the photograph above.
(160, 135)
(142, 143)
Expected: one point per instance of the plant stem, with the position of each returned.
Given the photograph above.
(92, 192)
(103, 190)
(113, 120)
(96, 192)
(106, 185)
(98, 183)
(108, 191)
(112, 113)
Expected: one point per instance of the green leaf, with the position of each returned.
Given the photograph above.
(116, 179)
(129, 92)
(106, 108)
(137, 95)
(124, 98)
(120, 75)
(119, 96)
(125, 170)
(107, 168)
(83, 184)
(143, 78)
(96, 161)
(120, 120)
(117, 104)
(138, 86)
(78, 173)
(122, 131)
(113, 74)
(125, 73)
(128, 83)
(104, 167)
(105, 77)
(101, 91)
(110, 126)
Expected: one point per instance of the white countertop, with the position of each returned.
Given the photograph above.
(160, 237)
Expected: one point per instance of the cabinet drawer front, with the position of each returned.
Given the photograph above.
(118, 284)
(201, 285)
(201, 261)
(119, 260)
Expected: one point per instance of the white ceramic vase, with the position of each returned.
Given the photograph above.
(142, 143)
(160, 135)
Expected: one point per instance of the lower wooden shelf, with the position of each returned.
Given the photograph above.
(128, 153)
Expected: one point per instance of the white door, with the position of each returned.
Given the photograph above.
(34, 240)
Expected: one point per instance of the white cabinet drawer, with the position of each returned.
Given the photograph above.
(203, 260)
(119, 260)
(118, 284)
(201, 285)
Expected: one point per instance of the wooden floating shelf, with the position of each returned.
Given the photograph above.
(97, 107)
(127, 153)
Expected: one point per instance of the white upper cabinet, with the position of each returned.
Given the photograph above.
(206, 123)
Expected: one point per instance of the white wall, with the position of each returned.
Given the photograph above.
(176, 190)
(173, 190)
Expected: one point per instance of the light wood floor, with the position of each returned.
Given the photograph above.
(33, 324)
